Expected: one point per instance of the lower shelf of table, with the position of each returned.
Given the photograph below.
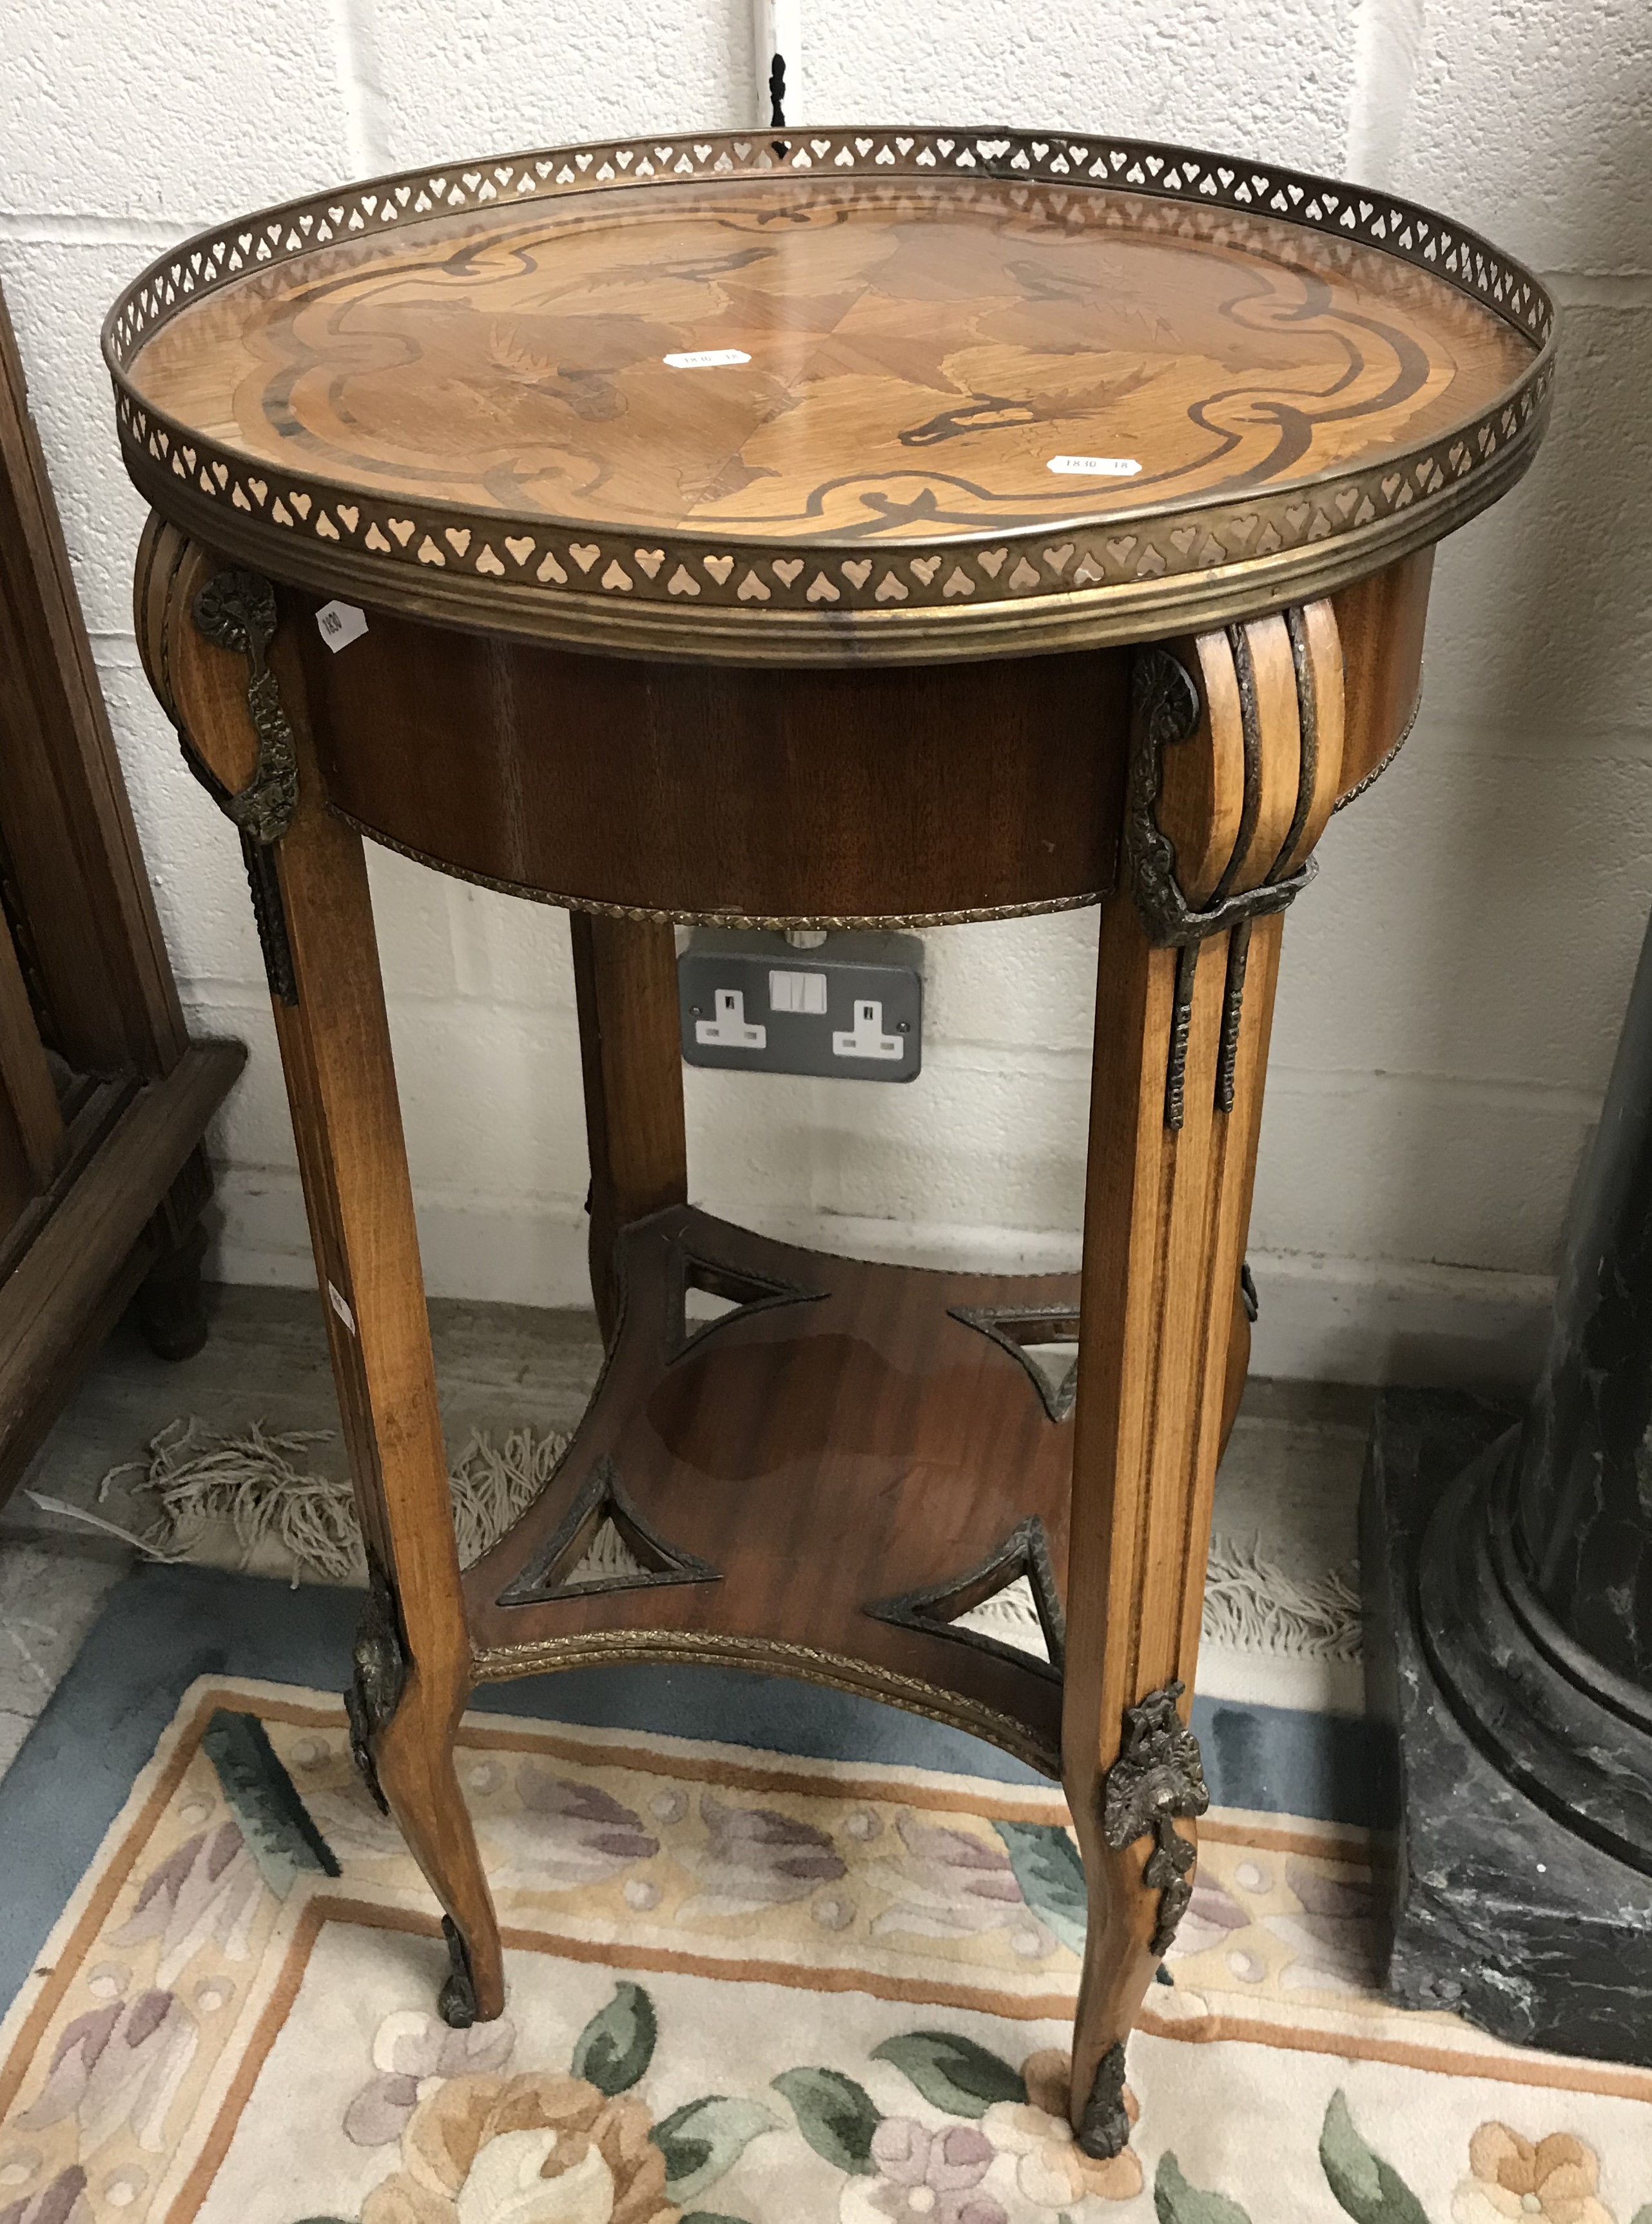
(816, 1484)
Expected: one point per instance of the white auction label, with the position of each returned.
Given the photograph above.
(1094, 467)
(340, 623)
(706, 359)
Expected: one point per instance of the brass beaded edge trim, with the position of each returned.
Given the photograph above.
(820, 584)
(1388, 757)
(831, 922)
(502, 1663)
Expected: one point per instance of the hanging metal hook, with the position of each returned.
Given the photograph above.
(776, 33)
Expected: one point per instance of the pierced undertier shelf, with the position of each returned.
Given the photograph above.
(857, 1475)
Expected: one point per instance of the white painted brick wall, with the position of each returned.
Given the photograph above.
(1452, 986)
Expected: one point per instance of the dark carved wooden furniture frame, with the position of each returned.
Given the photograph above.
(103, 1098)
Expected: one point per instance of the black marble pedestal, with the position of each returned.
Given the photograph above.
(1520, 1894)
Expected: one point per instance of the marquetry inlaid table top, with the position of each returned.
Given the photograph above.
(909, 393)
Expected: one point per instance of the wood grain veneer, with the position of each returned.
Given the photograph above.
(915, 354)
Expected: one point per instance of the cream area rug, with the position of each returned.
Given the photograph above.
(742, 1987)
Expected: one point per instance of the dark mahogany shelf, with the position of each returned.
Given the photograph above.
(853, 1456)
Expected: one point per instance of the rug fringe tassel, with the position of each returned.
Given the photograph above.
(260, 1483)
(1251, 1606)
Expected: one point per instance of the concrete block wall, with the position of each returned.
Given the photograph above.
(1453, 984)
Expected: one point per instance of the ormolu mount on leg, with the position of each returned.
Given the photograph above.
(242, 751)
(1236, 748)
(1166, 710)
(235, 610)
(1158, 1776)
(1103, 2127)
(380, 1663)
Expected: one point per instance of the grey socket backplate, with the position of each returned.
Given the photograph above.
(871, 985)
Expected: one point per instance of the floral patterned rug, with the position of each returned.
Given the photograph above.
(744, 1989)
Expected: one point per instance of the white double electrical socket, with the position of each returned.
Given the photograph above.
(849, 1007)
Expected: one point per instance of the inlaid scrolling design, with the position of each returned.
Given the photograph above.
(705, 571)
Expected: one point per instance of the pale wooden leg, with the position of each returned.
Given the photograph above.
(625, 975)
(414, 1655)
(1181, 1032)
(310, 880)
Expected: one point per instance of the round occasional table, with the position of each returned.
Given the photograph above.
(848, 529)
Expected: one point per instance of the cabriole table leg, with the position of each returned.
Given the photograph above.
(233, 688)
(1235, 752)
